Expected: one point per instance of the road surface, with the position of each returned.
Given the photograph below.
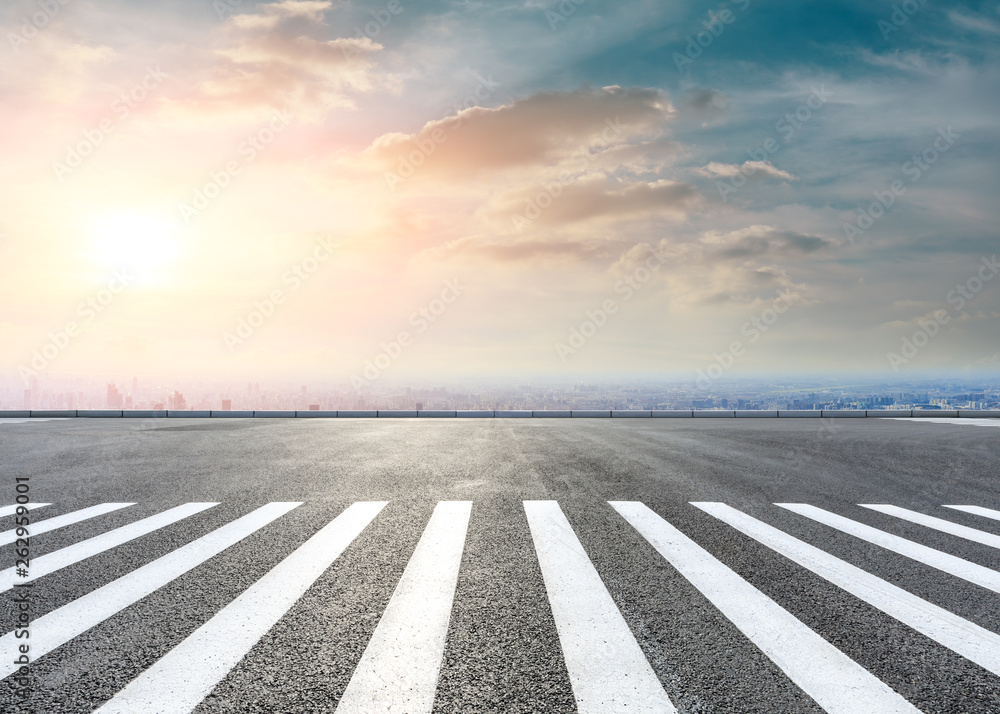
(503, 566)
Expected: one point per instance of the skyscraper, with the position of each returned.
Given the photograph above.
(114, 397)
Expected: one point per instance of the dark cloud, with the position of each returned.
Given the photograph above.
(756, 241)
(541, 129)
(522, 250)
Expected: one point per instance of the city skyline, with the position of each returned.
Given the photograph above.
(819, 393)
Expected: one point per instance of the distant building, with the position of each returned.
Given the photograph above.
(114, 397)
(227, 404)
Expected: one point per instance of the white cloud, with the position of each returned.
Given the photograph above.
(747, 168)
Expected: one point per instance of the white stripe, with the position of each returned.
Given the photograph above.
(398, 671)
(67, 519)
(957, 634)
(60, 626)
(939, 524)
(11, 510)
(953, 565)
(607, 668)
(181, 679)
(965, 421)
(978, 511)
(837, 683)
(69, 555)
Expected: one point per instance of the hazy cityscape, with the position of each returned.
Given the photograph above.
(819, 393)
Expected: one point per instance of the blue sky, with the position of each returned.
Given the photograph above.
(742, 147)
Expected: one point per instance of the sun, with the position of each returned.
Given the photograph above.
(134, 239)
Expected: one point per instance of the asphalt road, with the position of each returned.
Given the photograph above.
(503, 649)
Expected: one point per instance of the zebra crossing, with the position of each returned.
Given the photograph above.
(606, 664)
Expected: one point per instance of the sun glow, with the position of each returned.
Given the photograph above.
(136, 240)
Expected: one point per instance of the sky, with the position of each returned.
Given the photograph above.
(446, 190)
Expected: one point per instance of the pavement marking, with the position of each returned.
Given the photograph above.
(31, 420)
(68, 519)
(11, 510)
(182, 678)
(63, 624)
(398, 671)
(978, 511)
(970, 421)
(957, 634)
(835, 681)
(46, 564)
(939, 524)
(607, 668)
(951, 564)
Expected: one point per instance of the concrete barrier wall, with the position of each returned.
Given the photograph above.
(500, 413)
